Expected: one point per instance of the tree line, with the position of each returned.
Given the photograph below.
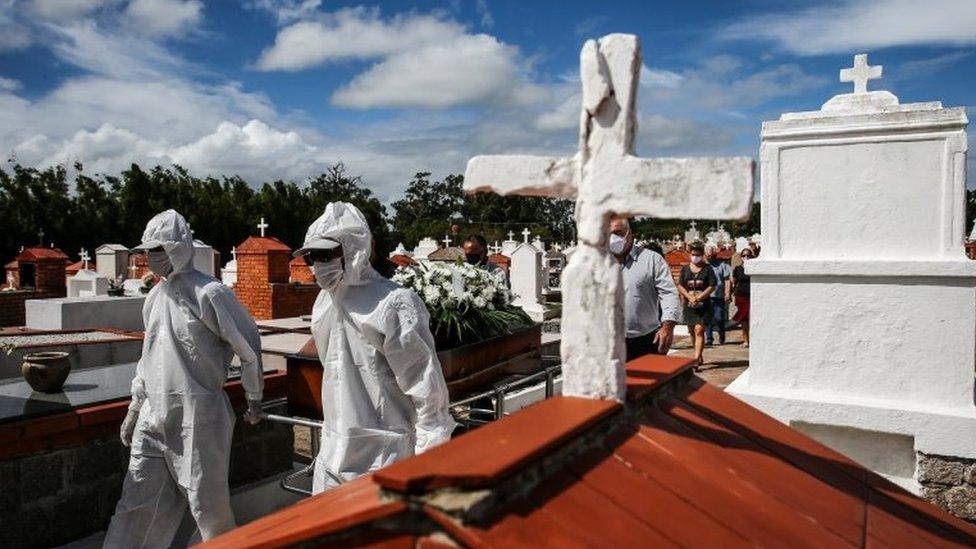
(73, 209)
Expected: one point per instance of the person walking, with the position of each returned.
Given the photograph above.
(384, 397)
(720, 298)
(696, 284)
(740, 287)
(180, 422)
(650, 297)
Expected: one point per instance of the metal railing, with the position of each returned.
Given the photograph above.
(464, 412)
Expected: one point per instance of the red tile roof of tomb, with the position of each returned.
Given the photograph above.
(500, 260)
(446, 254)
(401, 260)
(298, 262)
(261, 244)
(682, 464)
(76, 266)
(12, 265)
(34, 254)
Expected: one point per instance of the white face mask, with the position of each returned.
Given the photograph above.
(617, 244)
(159, 263)
(696, 259)
(328, 274)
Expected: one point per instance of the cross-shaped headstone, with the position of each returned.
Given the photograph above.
(525, 232)
(446, 241)
(262, 226)
(511, 235)
(860, 73)
(606, 178)
(233, 254)
(84, 258)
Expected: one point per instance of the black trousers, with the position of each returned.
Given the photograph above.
(641, 345)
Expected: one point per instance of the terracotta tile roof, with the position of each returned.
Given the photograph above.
(401, 260)
(680, 464)
(35, 254)
(298, 262)
(446, 254)
(262, 244)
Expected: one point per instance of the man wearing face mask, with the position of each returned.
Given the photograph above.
(180, 421)
(476, 253)
(651, 307)
(383, 392)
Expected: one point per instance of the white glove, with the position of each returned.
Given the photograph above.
(129, 427)
(254, 412)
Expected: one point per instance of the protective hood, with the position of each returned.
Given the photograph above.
(171, 231)
(344, 223)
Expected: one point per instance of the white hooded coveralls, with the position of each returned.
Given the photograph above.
(180, 450)
(383, 392)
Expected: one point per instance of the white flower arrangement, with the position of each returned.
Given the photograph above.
(466, 302)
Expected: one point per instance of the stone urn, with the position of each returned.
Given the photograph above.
(46, 371)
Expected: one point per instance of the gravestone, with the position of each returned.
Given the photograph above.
(605, 178)
(692, 234)
(863, 302)
(203, 258)
(111, 261)
(87, 283)
(424, 248)
(508, 246)
(526, 279)
(228, 275)
(741, 243)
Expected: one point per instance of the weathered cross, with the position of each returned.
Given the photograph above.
(525, 232)
(511, 235)
(860, 73)
(446, 241)
(262, 225)
(84, 258)
(606, 178)
(233, 254)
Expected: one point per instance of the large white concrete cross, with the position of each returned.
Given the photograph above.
(860, 73)
(606, 178)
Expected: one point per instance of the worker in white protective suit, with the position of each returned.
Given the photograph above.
(383, 392)
(180, 421)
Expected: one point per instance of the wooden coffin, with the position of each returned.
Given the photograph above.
(467, 369)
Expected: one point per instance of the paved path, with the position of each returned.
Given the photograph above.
(723, 363)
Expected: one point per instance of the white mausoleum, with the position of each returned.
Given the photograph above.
(863, 301)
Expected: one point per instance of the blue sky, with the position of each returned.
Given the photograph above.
(273, 89)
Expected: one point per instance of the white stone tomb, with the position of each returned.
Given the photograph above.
(111, 261)
(863, 301)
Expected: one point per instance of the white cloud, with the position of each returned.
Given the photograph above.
(469, 69)
(659, 78)
(9, 84)
(424, 60)
(286, 11)
(63, 10)
(164, 17)
(487, 21)
(13, 34)
(861, 25)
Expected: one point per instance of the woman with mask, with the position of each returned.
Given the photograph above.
(384, 397)
(696, 283)
(740, 288)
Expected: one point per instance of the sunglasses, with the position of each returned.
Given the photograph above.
(322, 256)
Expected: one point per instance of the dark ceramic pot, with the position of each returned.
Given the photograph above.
(47, 371)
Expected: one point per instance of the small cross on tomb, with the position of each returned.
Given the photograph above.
(860, 73)
(446, 241)
(262, 226)
(84, 258)
(40, 238)
(511, 235)
(606, 178)
(233, 253)
(525, 232)
(132, 270)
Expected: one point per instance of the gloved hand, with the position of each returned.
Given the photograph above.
(129, 427)
(254, 412)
